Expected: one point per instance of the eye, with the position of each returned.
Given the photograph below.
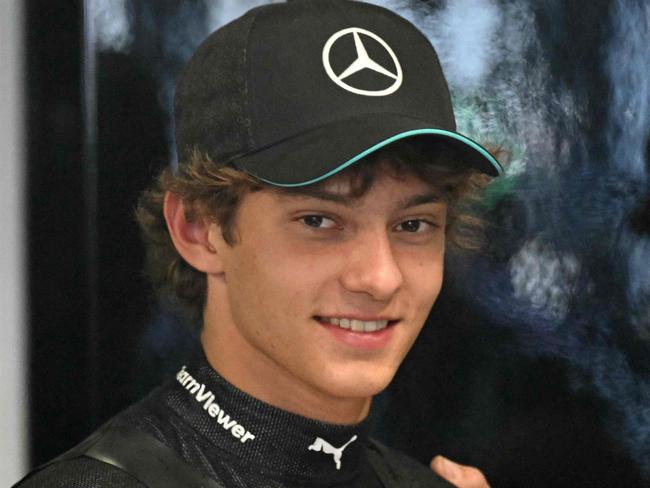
(318, 221)
(415, 226)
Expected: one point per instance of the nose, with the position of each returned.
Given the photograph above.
(371, 267)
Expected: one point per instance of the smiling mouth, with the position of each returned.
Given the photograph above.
(355, 325)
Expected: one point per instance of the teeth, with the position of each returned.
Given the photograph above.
(357, 325)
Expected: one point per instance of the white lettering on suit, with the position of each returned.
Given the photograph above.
(204, 396)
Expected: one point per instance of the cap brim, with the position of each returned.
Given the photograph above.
(310, 157)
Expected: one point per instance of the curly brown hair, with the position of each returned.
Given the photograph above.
(215, 192)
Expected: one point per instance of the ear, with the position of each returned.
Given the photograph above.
(192, 238)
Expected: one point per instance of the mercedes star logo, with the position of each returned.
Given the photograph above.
(362, 62)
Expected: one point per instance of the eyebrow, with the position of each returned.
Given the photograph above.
(348, 201)
(319, 194)
(421, 199)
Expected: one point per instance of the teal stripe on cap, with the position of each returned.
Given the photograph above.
(452, 135)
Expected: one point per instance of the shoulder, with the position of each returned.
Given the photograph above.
(77, 468)
(81, 472)
(400, 469)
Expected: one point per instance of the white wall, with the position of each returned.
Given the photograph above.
(13, 367)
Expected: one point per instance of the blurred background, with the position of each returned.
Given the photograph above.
(534, 363)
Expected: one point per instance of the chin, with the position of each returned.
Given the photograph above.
(359, 386)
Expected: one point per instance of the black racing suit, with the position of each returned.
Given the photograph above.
(227, 438)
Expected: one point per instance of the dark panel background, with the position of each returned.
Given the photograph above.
(89, 300)
(59, 365)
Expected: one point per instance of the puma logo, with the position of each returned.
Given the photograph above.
(321, 445)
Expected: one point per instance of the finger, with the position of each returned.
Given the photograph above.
(458, 474)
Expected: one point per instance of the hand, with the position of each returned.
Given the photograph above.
(459, 475)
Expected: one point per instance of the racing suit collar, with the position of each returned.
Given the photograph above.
(262, 436)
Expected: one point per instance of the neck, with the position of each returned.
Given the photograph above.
(253, 372)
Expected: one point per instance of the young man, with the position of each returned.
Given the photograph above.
(306, 226)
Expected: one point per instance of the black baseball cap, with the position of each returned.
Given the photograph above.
(295, 92)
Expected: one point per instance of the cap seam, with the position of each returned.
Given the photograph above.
(248, 80)
(433, 131)
(428, 124)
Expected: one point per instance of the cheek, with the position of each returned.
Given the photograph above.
(298, 267)
(425, 278)
(273, 280)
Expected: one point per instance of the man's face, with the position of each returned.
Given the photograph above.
(307, 270)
